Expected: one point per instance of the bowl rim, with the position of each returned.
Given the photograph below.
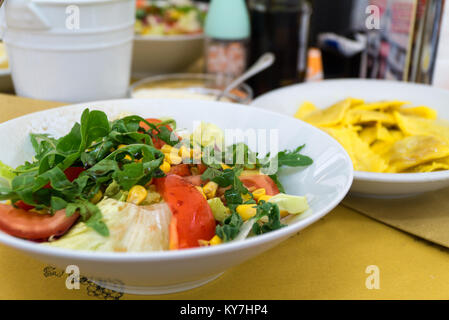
(367, 176)
(191, 253)
(168, 38)
(198, 76)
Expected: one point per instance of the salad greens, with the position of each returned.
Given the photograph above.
(229, 178)
(92, 145)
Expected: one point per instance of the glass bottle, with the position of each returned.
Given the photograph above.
(281, 27)
(227, 31)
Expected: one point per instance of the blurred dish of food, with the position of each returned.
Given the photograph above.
(6, 84)
(385, 136)
(4, 64)
(162, 18)
(168, 37)
(188, 86)
(399, 146)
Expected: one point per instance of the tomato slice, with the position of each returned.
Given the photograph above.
(194, 218)
(158, 143)
(24, 206)
(182, 170)
(201, 168)
(260, 181)
(32, 225)
(73, 172)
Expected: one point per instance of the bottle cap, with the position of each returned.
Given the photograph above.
(228, 20)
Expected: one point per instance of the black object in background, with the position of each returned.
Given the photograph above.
(343, 18)
(281, 27)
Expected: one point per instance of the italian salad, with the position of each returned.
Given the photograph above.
(137, 184)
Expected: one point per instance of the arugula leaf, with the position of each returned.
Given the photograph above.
(293, 158)
(270, 210)
(230, 228)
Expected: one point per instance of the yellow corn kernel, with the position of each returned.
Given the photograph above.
(128, 157)
(246, 197)
(246, 211)
(172, 158)
(265, 198)
(210, 189)
(166, 148)
(225, 166)
(185, 152)
(137, 194)
(259, 193)
(283, 213)
(201, 191)
(165, 167)
(215, 240)
(97, 197)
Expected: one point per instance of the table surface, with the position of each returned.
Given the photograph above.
(328, 260)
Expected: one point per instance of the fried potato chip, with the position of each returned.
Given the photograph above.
(422, 111)
(414, 150)
(329, 117)
(306, 108)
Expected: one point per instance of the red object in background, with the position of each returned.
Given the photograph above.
(194, 218)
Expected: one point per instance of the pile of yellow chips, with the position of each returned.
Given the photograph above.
(386, 136)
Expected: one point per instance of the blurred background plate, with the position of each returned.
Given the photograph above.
(154, 55)
(325, 93)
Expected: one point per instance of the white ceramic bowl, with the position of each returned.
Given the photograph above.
(325, 93)
(153, 55)
(325, 183)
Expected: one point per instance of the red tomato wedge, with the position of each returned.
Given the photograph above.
(32, 225)
(194, 218)
(73, 172)
(182, 170)
(24, 206)
(201, 168)
(260, 181)
(158, 143)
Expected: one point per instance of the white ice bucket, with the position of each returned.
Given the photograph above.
(70, 51)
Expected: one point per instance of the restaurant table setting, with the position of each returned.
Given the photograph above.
(357, 207)
(328, 260)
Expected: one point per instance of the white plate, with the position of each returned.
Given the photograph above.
(325, 93)
(325, 183)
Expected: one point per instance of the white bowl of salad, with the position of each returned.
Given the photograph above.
(162, 195)
(169, 36)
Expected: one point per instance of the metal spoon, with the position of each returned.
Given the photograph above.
(264, 62)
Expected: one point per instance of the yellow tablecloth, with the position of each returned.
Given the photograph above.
(328, 260)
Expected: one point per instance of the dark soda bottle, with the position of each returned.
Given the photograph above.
(281, 27)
